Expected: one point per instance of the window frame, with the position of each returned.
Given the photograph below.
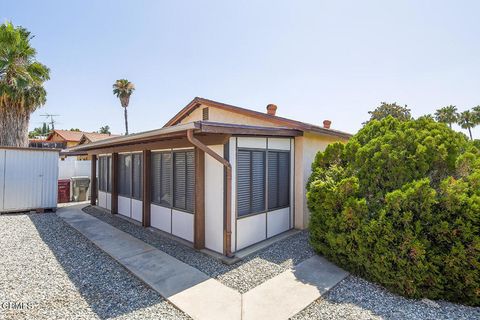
(130, 172)
(172, 180)
(265, 208)
(278, 207)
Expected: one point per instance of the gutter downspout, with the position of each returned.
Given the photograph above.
(228, 219)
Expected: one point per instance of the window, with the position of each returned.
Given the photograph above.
(173, 180)
(108, 170)
(184, 180)
(205, 113)
(250, 181)
(162, 178)
(278, 179)
(137, 176)
(130, 175)
(104, 173)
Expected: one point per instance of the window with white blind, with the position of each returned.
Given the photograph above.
(130, 175)
(250, 181)
(173, 180)
(278, 179)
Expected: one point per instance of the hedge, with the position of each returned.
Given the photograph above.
(399, 204)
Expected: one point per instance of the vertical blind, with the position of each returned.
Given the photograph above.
(250, 181)
(252, 175)
(104, 173)
(173, 179)
(130, 175)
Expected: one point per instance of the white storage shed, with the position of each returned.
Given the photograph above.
(28, 179)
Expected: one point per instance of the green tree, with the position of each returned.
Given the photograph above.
(21, 84)
(105, 130)
(42, 131)
(447, 115)
(398, 205)
(468, 120)
(123, 89)
(390, 109)
(75, 129)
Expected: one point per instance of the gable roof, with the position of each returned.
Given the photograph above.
(67, 135)
(289, 123)
(94, 137)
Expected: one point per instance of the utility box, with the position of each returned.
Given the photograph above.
(63, 190)
(79, 186)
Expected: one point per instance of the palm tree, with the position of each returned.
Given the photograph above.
(447, 114)
(21, 84)
(467, 120)
(123, 89)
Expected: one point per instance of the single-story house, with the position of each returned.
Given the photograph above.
(217, 175)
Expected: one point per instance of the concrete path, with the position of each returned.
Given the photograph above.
(291, 291)
(186, 287)
(194, 292)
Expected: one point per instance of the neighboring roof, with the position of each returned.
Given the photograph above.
(293, 124)
(94, 137)
(206, 127)
(76, 136)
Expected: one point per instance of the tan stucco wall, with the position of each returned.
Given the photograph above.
(306, 148)
(220, 115)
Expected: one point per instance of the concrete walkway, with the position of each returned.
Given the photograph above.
(194, 292)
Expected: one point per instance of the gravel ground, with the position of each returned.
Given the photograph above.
(56, 273)
(242, 276)
(355, 298)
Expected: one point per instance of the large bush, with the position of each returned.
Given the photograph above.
(399, 204)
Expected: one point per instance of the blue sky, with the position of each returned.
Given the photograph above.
(315, 59)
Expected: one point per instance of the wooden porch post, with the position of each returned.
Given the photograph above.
(146, 188)
(199, 218)
(93, 181)
(114, 205)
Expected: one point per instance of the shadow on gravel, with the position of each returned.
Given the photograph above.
(108, 288)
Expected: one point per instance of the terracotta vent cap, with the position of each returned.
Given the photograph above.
(326, 124)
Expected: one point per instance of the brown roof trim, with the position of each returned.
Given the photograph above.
(206, 127)
(293, 124)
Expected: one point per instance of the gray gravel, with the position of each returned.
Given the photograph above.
(355, 298)
(58, 274)
(242, 276)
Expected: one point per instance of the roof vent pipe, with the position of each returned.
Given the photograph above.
(326, 124)
(271, 109)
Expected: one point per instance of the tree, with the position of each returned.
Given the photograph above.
(21, 84)
(390, 109)
(398, 205)
(123, 89)
(75, 129)
(468, 120)
(447, 115)
(42, 131)
(105, 130)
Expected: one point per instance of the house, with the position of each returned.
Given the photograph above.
(217, 175)
(67, 139)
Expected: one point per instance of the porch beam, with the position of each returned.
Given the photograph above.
(146, 188)
(199, 218)
(93, 181)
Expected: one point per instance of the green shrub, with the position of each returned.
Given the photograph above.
(399, 204)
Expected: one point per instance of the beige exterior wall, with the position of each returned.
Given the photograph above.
(220, 115)
(306, 147)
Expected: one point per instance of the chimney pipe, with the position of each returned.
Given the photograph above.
(326, 124)
(271, 109)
